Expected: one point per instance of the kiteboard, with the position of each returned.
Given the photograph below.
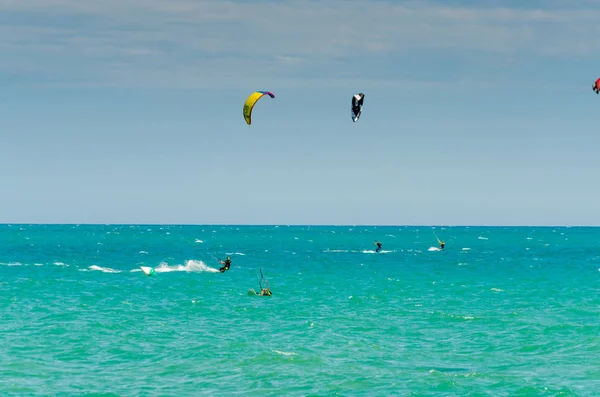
(148, 271)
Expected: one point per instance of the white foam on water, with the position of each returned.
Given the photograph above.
(191, 265)
(285, 353)
(103, 269)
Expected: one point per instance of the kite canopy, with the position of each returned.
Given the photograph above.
(251, 101)
(357, 104)
(596, 86)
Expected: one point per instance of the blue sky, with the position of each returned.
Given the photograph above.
(130, 111)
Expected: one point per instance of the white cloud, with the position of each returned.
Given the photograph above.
(210, 42)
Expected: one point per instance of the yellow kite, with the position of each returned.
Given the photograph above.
(251, 101)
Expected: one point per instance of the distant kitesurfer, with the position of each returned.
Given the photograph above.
(226, 264)
(357, 104)
(378, 246)
(266, 290)
(442, 245)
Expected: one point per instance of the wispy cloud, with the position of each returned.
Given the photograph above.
(185, 43)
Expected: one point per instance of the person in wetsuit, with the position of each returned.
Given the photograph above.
(265, 292)
(226, 264)
(442, 245)
(378, 246)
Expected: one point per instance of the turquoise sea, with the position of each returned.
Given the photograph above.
(502, 311)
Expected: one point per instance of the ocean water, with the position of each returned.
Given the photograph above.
(502, 311)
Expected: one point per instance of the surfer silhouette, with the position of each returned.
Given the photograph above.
(378, 246)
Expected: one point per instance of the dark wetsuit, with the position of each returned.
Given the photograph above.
(226, 266)
(378, 247)
(442, 245)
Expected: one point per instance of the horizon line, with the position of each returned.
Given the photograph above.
(284, 225)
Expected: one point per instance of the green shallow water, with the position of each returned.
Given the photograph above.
(500, 312)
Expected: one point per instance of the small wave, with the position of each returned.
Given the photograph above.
(285, 353)
(235, 253)
(142, 252)
(199, 241)
(104, 269)
(482, 238)
(12, 264)
(60, 264)
(466, 249)
(497, 289)
(433, 249)
(457, 316)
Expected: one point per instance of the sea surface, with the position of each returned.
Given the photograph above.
(501, 311)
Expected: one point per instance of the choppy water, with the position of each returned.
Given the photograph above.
(500, 312)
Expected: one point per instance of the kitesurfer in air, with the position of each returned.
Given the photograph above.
(378, 246)
(226, 264)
